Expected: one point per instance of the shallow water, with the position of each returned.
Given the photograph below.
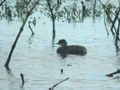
(41, 67)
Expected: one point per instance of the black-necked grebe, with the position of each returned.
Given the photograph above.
(65, 49)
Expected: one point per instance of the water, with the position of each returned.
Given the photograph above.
(41, 67)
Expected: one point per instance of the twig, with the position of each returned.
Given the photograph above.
(52, 88)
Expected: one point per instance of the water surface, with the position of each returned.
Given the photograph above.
(41, 66)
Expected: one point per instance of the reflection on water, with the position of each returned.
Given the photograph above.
(30, 40)
(42, 66)
(13, 82)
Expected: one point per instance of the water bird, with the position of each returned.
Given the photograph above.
(66, 49)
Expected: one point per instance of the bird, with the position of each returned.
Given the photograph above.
(64, 50)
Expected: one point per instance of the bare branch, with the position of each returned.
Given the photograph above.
(52, 88)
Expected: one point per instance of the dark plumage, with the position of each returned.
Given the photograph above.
(65, 49)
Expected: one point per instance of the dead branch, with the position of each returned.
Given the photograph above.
(18, 35)
(52, 88)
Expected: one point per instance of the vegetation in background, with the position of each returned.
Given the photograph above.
(70, 11)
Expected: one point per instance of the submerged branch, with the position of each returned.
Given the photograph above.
(113, 73)
(23, 81)
(29, 24)
(18, 35)
(52, 88)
